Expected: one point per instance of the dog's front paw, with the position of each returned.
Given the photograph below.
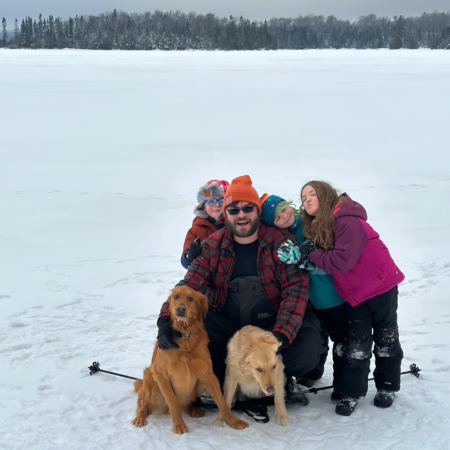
(283, 420)
(180, 428)
(219, 422)
(139, 421)
(238, 424)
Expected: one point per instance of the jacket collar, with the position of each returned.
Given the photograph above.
(205, 223)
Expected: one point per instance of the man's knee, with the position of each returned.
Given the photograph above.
(303, 355)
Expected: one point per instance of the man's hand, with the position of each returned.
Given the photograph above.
(193, 250)
(282, 339)
(166, 334)
(290, 253)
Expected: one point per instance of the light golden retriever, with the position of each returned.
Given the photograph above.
(254, 366)
(177, 377)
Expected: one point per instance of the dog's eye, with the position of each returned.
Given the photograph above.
(274, 367)
(259, 370)
(175, 296)
(190, 299)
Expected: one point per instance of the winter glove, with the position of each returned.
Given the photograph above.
(282, 339)
(290, 253)
(193, 250)
(306, 249)
(166, 334)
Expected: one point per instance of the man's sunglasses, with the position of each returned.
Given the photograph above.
(245, 209)
(213, 201)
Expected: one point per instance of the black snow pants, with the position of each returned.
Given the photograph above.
(334, 323)
(380, 315)
(247, 305)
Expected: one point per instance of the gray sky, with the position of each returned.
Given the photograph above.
(252, 9)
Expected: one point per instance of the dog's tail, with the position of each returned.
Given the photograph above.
(138, 384)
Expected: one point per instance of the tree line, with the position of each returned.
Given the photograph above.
(180, 31)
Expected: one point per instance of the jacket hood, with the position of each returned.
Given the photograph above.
(348, 207)
(212, 190)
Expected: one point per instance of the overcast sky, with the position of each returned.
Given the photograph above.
(252, 9)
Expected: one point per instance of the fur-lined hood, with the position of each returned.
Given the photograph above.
(212, 190)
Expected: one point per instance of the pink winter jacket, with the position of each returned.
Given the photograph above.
(360, 264)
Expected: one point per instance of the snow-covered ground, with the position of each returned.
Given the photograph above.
(101, 156)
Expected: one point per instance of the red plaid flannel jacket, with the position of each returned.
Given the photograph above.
(285, 286)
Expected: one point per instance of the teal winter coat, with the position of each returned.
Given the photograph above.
(322, 293)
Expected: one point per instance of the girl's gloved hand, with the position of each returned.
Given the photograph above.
(290, 253)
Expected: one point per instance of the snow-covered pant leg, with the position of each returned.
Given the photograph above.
(379, 313)
(220, 330)
(388, 351)
(357, 352)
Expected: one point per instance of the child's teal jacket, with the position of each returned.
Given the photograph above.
(322, 293)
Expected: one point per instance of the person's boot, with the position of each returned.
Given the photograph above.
(294, 393)
(335, 396)
(346, 405)
(383, 398)
(306, 382)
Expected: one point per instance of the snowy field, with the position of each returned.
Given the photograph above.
(101, 156)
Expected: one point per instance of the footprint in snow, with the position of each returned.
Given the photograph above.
(55, 287)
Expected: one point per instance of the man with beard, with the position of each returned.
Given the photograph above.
(246, 284)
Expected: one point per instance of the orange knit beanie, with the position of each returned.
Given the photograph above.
(241, 190)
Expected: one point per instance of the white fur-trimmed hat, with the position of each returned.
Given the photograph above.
(212, 189)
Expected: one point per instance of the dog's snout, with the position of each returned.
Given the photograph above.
(270, 390)
(181, 308)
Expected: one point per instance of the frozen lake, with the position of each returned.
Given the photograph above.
(101, 156)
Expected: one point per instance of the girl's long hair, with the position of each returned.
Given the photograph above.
(321, 227)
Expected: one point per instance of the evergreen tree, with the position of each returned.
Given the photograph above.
(4, 33)
(179, 31)
(39, 34)
(16, 32)
(413, 43)
(398, 33)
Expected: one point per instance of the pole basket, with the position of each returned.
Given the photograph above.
(414, 370)
(94, 368)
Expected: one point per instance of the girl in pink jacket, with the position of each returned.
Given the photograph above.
(343, 244)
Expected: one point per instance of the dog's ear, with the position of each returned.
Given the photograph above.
(169, 298)
(244, 361)
(270, 338)
(203, 302)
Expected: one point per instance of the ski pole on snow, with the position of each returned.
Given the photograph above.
(412, 369)
(96, 368)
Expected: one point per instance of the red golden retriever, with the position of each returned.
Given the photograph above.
(177, 377)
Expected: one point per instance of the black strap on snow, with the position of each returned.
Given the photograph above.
(254, 410)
